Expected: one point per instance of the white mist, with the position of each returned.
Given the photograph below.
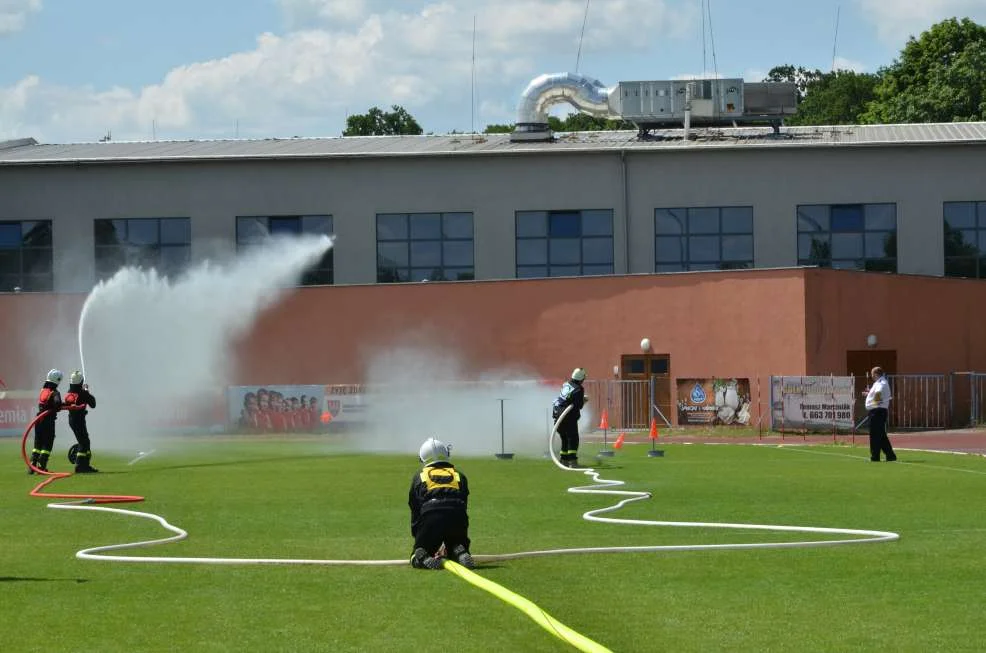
(152, 348)
(417, 391)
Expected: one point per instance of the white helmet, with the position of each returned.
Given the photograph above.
(433, 451)
(54, 376)
(76, 378)
(578, 374)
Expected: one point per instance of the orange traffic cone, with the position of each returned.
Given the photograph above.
(619, 442)
(604, 421)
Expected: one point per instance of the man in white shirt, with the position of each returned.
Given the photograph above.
(877, 403)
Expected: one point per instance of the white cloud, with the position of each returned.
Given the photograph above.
(841, 63)
(754, 75)
(14, 13)
(705, 75)
(303, 12)
(344, 57)
(896, 20)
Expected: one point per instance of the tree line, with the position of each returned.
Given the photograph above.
(939, 76)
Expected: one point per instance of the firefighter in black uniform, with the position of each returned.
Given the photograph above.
(572, 394)
(78, 395)
(49, 400)
(439, 500)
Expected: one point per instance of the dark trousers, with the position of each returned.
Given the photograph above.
(568, 430)
(44, 434)
(81, 431)
(436, 527)
(879, 442)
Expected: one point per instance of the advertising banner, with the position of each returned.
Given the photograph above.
(346, 403)
(812, 402)
(713, 402)
(275, 408)
(17, 409)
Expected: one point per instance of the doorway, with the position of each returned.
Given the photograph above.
(635, 401)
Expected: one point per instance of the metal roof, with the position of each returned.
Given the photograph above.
(29, 152)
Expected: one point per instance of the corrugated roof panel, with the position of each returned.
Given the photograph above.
(452, 144)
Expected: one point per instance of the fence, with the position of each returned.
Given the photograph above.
(920, 401)
(968, 399)
(628, 404)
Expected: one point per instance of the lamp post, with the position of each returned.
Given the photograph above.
(503, 455)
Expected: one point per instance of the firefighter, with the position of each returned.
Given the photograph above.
(439, 500)
(78, 396)
(50, 402)
(572, 394)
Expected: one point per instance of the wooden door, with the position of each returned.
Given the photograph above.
(636, 403)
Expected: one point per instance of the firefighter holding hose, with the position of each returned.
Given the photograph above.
(572, 394)
(79, 400)
(49, 402)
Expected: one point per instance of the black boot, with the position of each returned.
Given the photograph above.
(421, 560)
(42, 463)
(82, 463)
(34, 461)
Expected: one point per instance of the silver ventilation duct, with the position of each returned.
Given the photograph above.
(586, 94)
(651, 104)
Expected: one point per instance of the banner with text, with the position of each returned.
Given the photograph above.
(812, 402)
(713, 402)
(346, 403)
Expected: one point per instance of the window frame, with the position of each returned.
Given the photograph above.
(319, 274)
(126, 253)
(952, 267)
(823, 238)
(26, 279)
(687, 237)
(422, 244)
(553, 235)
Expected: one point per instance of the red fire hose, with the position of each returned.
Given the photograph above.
(54, 476)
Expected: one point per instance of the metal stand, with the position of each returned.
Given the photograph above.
(606, 452)
(502, 455)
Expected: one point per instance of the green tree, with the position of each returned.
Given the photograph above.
(939, 77)
(799, 75)
(382, 123)
(837, 98)
(498, 129)
(573, 122)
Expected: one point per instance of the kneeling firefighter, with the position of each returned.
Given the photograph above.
(79, 397)
(438, 500)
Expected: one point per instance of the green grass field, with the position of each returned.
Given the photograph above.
(252, 498)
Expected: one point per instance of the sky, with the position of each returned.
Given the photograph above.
(77, 70)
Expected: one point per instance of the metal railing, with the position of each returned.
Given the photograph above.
(920, 401)
(627, 403)
(977, 399)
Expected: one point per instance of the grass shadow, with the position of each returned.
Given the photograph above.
(28, 579)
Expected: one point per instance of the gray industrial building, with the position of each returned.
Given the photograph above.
(909, 199)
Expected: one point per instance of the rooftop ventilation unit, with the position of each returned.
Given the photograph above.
(654, 104)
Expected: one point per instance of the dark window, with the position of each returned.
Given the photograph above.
(564, 243)
(848, 236)
(26, 258)
(708, 238)
(965, 239)
(163, 244)
(251, 231)
(424, 247)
